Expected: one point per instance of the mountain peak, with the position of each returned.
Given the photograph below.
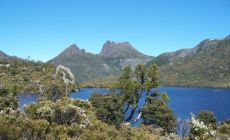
(72, 50)
(113, 49)
(206, 44)
(112, 44)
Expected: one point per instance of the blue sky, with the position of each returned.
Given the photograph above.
(41, 29)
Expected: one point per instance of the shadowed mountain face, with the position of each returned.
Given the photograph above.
(3, 55)
(112, 59)
(207, 64)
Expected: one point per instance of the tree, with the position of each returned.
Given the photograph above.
(126, 74)
(207, 117)
(128, 90)
(140, 73)
(132, 90)
(108, 108)
(153, 77)
(54, 92)
(156, 112)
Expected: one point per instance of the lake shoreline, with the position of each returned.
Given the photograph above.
(183, 100)
(165, 86)
(195, 86)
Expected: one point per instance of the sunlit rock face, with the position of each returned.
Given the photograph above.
(113, 49)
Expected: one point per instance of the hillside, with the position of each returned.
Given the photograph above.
(30, 76)
(3, 55)
(207, 64)
(112, 59)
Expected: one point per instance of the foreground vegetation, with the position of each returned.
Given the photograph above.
(103, 117)
(61, 119)
(56, 116)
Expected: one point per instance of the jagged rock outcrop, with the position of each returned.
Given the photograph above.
(113, 50)
(112, 59)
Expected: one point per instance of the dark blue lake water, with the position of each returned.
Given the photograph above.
(182, 100)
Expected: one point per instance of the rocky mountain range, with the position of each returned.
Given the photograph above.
(109, 62)
(207, 64)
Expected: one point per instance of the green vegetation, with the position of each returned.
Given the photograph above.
(224, 130)
(208, 118)
(127, 92)
(104, 82)
(156, 112)
(205, 127)
(206, 65)
(56, 116)
(90, 68)
(29, 76)
(108, 108)
(63, 119)
(8, 100)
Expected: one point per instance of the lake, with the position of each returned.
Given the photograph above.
(183, 100)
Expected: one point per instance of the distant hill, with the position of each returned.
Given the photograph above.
(28, 76)
(207, 64)
(3, 55)
(111, 60)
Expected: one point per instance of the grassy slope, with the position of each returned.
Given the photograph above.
(208, 67)
(26, 75)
